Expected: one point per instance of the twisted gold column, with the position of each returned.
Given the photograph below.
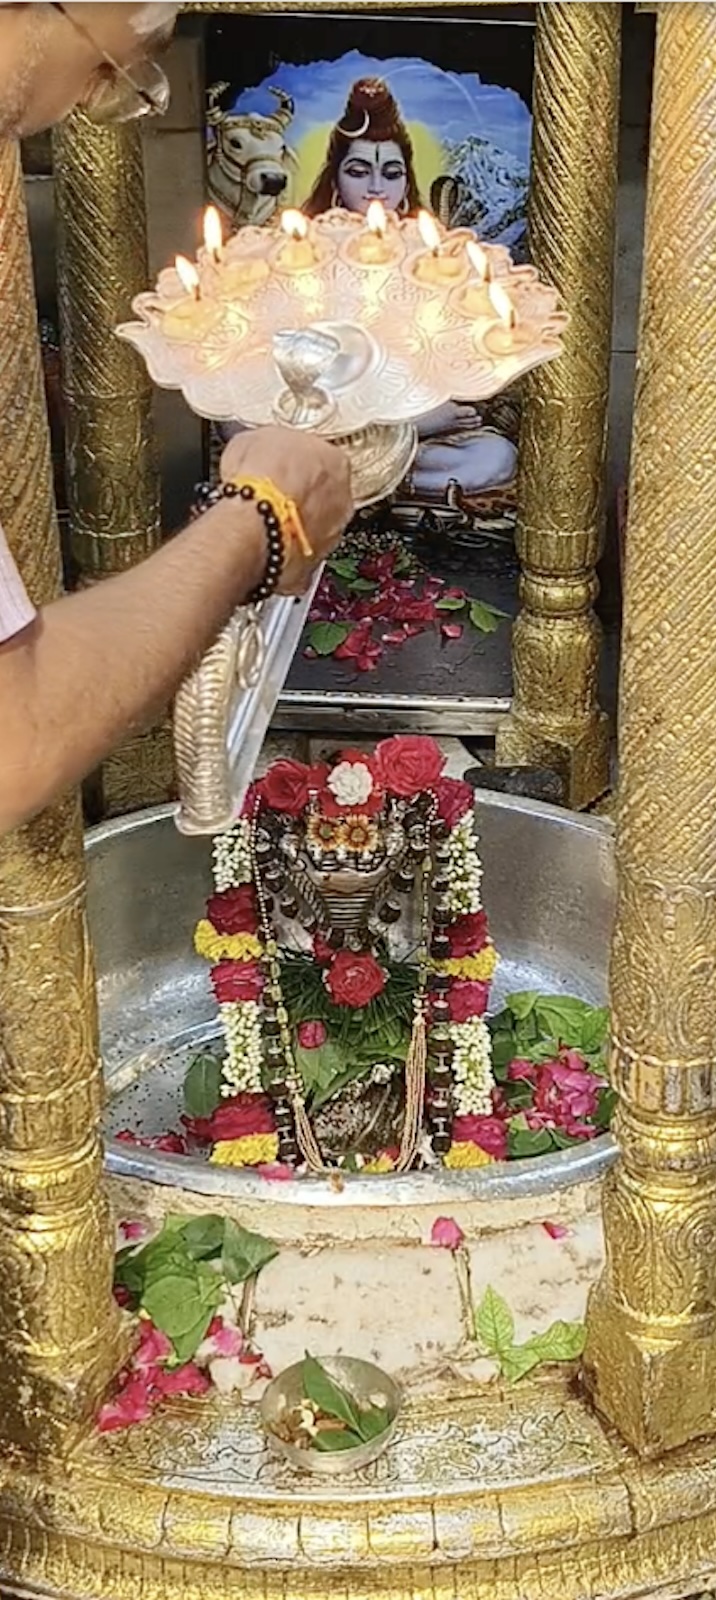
(58, 1322)
(113, 474)
(651, 1353)
(555, 719)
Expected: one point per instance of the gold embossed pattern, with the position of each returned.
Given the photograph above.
(58, 1323)
(112, 466)
(652, 1349)
(555, 718)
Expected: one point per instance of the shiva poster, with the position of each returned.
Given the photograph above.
(418, 113)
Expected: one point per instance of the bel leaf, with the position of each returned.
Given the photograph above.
(325, 637)
(485, 618)
(319, 1067)
(562, 1017)
(563, 1341)
(373, 1422)
(494, 1324)
(343, 567)
(605, 1109)
(336, 1439)
(187, 1344)
(520, 1360)
(522, 1004)
(595, 1029)
(202, 1086)
(129, 1273)
(330, 1397)
(203, 1237)
(523, 1142)
(362, 586)
(450, 603)
(244, 1253)
(176, 1304)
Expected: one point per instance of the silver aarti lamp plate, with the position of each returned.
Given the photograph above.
(316, 333)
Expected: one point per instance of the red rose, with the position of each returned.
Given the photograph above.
(454, 799)
(488, 1133)
(288, 784)
(354, 980)
(408, 764)
(236, 980)
(468, 935)
(234, 910)
(467, 1000)
(311, 1035)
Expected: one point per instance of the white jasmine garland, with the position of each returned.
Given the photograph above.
(232, 856)
(464, 868)
(351, 783)
(241, 1070)
(472, 1067)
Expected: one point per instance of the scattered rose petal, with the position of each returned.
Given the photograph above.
(394, 638)
(229, 1374)
(446, 1233)
(276, 1172)
(122, 1295)
(133, 1230)
(153, 1345)
(181, 1380)
(556, 1230)
(451, 630)
(134, 1403)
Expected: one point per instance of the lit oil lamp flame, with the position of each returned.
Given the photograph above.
(213, 235)
(376, 218)
(502, 305)
(429, 231)
(189, 276)
(294, 224)
(479, 261)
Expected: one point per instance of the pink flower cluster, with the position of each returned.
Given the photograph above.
(565, 1099)
(148, 1379)
(400, 609)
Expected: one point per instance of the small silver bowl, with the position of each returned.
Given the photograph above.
(362, 1379)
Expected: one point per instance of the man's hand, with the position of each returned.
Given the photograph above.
(313, 473)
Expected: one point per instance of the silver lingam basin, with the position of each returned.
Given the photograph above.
(549, 890)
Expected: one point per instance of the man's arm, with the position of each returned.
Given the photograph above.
(98, 665)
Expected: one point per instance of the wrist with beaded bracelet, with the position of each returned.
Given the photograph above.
(280, 517)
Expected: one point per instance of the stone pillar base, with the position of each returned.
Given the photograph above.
(580, 759)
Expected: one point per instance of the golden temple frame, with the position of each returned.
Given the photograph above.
(74, 1525)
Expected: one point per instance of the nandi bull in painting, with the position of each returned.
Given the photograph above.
(249, 161)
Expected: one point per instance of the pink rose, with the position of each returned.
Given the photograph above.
(236, 980)
(467, 999)
(288, 784)
(520, 1071)
(354, 980)
(567, 1097)
(446, 1234)
(311, 1035)
(234, 910)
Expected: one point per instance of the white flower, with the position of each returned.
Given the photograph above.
(241, 1070)
(472, 1067)
(464, 868)
(351, 783)
(232, 856)
(229, 1374)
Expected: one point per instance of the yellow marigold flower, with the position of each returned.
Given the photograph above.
(381, 1163)
(466, 1155)
(479, 968)
(255, 1150)
(225, 946)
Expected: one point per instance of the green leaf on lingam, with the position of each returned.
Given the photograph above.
(202, 1086)
(494, 1324)
(595, 1030)
(320, 1067)
(522, 1004)
(451, 603)
(203, 1237)
(524, 1142)
(244, 1253)
(325, 637)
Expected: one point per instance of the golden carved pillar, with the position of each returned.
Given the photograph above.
(555, 719)
(58, 1321)
(651, 1351)
(112, 469)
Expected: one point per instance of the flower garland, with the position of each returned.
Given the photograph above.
(340, 809)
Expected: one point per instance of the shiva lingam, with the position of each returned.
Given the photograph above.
(350, 327)
(351, 960)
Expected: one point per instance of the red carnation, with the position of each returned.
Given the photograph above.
(234, 910)
(454, 799)
(467, 1000)
(236, 980)
(488, 1133)
(408, 764)
(354, 980)
(323, 953)
(468, 935)
(241, 1116)
(288, 784)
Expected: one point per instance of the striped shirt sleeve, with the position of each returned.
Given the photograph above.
(16, 612)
